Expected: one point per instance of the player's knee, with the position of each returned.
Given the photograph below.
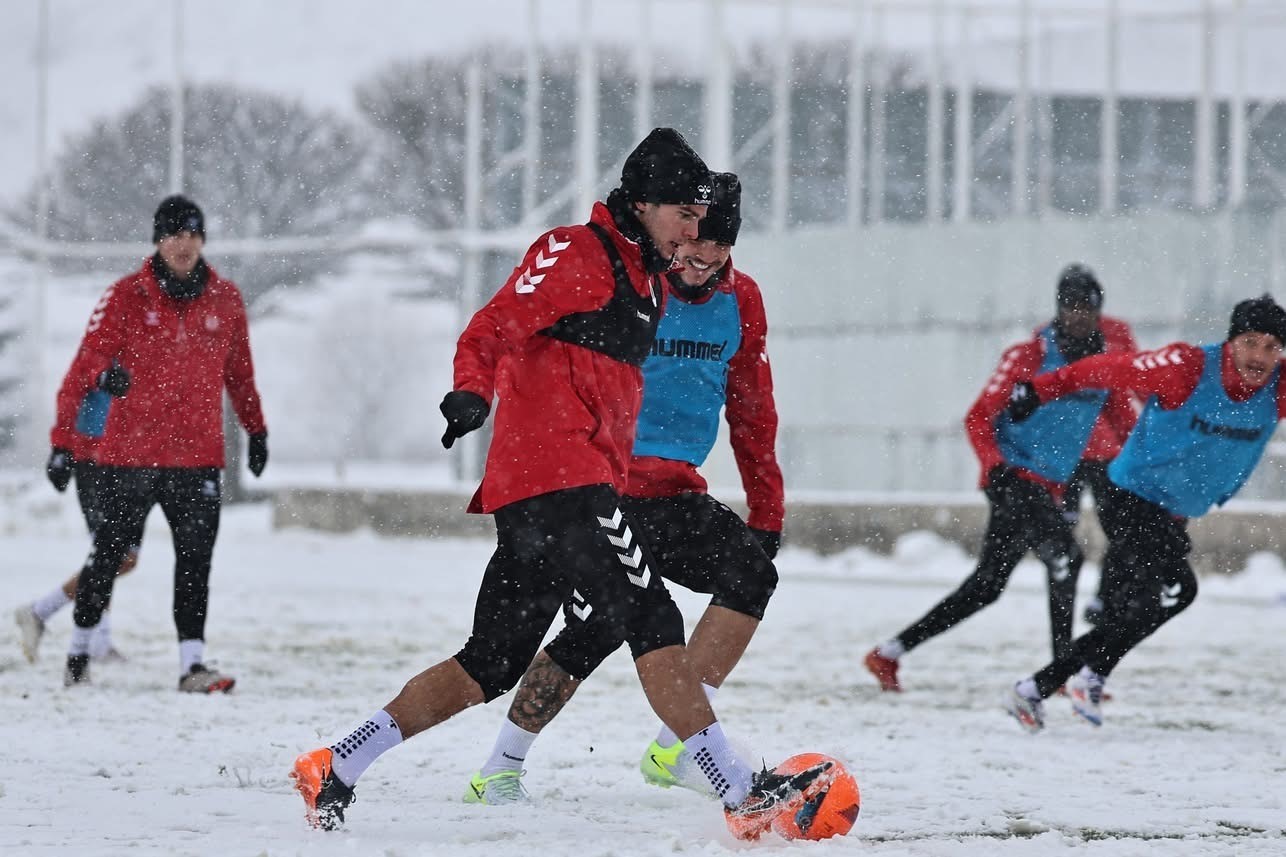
(495, 671)
(749, 591)
(579, 657)
(656, 629)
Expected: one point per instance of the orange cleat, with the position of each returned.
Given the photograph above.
(773, 795)
(325, 797)
(884, 669)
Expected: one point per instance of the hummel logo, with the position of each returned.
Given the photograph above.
(1170, 594)
(1062, 569)
(477, 791)
(643, 315)
(526, 284)
(622, 538)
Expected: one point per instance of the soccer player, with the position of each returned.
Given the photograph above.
(1209, 415)
(63, 464)
(171, 337)
(709, 354)
(1024, 468)
(560, 346)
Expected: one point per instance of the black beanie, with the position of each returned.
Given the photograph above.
(1258, 315)
(177, 214)
(665, 169)
(723, 218)
(1078, 288)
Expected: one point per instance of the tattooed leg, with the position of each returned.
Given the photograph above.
(545, 689)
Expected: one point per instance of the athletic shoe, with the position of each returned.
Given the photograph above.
(658, 765)
(1086, 692)
(884, 669)
(202, 679)
(30, 630)
(77, 672)
(325, 797)
(1029, 711)
(773, 795)
(504, 787)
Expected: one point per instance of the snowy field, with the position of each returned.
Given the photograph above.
(322, 630)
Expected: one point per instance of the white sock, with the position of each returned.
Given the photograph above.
(729, 777)
(510, 750)
(1027, 688)
(80, 638)
(893, 649)
(50, 604)
(190, 652)
(666, 737)
(101, 643)
(353, 755)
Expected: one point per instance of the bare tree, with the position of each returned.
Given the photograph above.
(259, 165)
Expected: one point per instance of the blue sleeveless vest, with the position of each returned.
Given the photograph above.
(1050, 442)
(685, 378)
(1201, 453)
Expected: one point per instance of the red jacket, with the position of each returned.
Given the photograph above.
(752, 421)
(180, 356)
(565, 416)
(1021, 362)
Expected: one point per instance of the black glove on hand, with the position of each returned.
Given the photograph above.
(769, 540)
(1002, 481)
(465, 412)
(58, 469)
(1023, 401)
(257, 454)
(114, 381)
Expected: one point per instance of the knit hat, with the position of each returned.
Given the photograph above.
(665, 169)
(1258, 315)
(177, 214)
(723, 218)
(1078, 288)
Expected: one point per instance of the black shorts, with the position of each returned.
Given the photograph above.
(573, 546)
(698, 543)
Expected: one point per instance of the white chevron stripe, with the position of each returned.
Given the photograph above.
(632, 560)
(614, 522)
(555, 246)
(542, 262)
(640, 580)
(624, 541)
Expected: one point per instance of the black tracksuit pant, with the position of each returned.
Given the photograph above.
(1156, 583)
(191, 499)
(1023, 518)
(1093, 475)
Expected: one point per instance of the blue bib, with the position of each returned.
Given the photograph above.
(91, 416)
(1050, 442)
(1201, 453)
(685, 378)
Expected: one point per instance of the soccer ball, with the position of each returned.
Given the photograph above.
(832, 812)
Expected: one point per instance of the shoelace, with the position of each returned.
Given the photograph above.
(508, 787)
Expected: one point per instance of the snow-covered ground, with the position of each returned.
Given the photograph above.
(321, 630)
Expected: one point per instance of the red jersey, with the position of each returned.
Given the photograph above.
(565, 413)
(752, 420)
(181, 355)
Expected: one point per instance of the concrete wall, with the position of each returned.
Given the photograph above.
(1221, 541)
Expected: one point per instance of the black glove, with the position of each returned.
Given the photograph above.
(58, 469)
(257, 454)
(1023, 401)
(114, 381)
(769, 540)
(1002, 481)
(465, 412)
